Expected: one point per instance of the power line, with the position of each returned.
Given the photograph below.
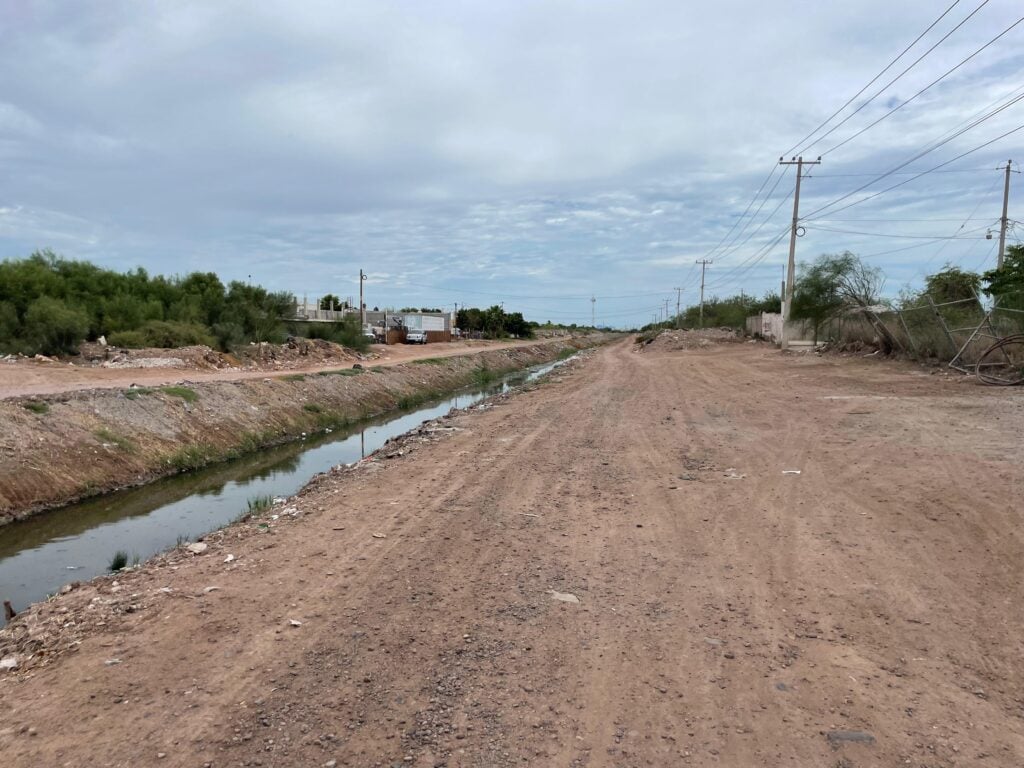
(912, 178)
(872, 82)
(742, 215)
(934, 82)
(936, 144)
(734, 246)
(883, 234)
(580, 297)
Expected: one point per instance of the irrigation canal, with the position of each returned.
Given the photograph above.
(77, 542)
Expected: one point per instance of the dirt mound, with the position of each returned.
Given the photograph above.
(691, 339)
(297, 353)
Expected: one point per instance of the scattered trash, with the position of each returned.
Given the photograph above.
(166, 590)
(197, 548)
(229, 559)
(208, 590)
(565, 597)
(791, 471)
(527, 514)
(379, 536)
(294, 623)
(112, 662)
(732, 475)
(9, 663)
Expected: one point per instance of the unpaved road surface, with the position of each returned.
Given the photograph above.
(27, 377)
(865, 612)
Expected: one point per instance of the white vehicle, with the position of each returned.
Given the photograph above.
(415, 337)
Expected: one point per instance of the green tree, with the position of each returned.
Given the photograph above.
(1006, 285)
(953, 284)
(330, 301)
(833, 284)
(54, 328)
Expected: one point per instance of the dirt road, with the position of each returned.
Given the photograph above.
(865, 612)
(47, 378)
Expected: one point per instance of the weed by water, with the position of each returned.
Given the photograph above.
(294, 377)
(136, 392)
(118, 561)
(190, 457)
(483, 376)
(36, 406)
(312, 408)
(254, 506)
(565, 354)
(431, 361)
(185, 393)
(113, 438)
(342, 372)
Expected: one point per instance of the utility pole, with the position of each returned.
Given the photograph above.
(362, 304)
(703, 265)
(1004, 220)
(679, 299)
(666, 310)
(799, 162)
(593, 301)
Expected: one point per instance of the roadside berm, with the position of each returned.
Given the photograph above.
(60, 448)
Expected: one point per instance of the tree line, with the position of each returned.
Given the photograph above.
(493, 322)
(50, 305)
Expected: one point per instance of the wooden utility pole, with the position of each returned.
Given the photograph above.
(1004, 220)
(679, 299)
(593, 302)
(787, 304)
(362, 304)
(703, 265)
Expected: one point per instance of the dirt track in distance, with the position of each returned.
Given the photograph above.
(864, 612)
(27, 377)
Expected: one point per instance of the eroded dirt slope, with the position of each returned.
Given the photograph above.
(864, 612)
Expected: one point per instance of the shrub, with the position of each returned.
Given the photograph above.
(118, 561)
(36, 406)
(53, 328)
(128, 339)
(185, 393)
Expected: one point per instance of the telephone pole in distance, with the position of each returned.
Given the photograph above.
(679, 298)
(703, 265)
(787, 299)
(362, 304)
(1004, 220)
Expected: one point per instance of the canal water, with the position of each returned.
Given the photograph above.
(75, 543)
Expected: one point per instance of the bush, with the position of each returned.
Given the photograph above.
(185, 393)
(348, 333)
(164, 334)
(53, 328)
(128, 339)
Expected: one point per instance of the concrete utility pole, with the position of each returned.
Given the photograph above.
(362, 304)
(703, 265)
(679, 299)
(1004, 220)
(593, 301)
(787, 299)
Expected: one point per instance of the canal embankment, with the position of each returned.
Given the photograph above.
(62, 448)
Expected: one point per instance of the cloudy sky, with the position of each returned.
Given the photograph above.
(536, 153)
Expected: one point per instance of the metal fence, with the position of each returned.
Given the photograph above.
(957, 332)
